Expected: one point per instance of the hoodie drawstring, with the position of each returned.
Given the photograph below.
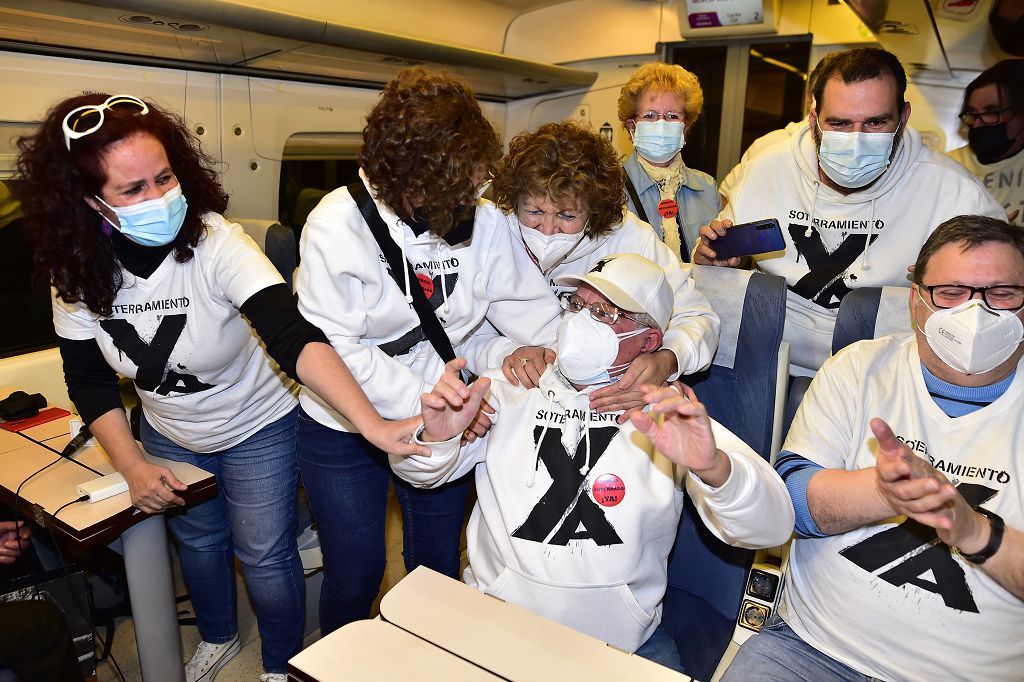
(408, 290)
(444, 286)
(809, 232)
(536, 445)
(865, 261)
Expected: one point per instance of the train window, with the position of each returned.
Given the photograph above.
(314, 164)
(25, 301)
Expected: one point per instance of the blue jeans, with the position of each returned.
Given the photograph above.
(661, 649)
(347, 479)
(777, 653)
(253, 514)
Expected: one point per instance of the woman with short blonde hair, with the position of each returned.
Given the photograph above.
(657, 106)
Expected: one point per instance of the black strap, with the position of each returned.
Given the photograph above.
(635, 198)
(428, 320)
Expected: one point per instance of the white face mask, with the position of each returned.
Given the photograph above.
(658, 141)
(972, 338)
(587, 348)
(854, 160)
(550, 249)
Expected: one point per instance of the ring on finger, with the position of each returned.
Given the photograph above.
(524, 361)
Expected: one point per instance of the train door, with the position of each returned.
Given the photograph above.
(751, 86)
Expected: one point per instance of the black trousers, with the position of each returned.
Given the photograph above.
(35, 643)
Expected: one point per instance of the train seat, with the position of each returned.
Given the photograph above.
(741, 390)
(870, 313)
(277, 241)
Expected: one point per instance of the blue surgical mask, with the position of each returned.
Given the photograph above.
(854, 160)
(151, 223)
(658, 141)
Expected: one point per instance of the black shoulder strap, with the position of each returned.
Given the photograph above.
(428, 320)
(635, 198)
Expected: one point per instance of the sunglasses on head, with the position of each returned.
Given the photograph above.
(87, 119)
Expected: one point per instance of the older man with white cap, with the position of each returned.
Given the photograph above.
(576, 513)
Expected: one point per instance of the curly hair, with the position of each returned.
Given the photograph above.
(423, 142)
(661, 77)
(72, 247)
(569, 164)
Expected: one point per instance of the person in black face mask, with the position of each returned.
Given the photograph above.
(993, 112)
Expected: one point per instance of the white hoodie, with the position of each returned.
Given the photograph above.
(692, 333)
(345, 288)
(583, 539)
(864, 239)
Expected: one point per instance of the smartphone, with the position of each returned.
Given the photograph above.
(748, 239)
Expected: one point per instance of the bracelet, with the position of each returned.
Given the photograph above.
(995, 538)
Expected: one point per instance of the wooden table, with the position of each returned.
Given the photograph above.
(141, 538)
(446, 625)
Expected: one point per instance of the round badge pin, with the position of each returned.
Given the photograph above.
(426, 284)
(608, 490)
(668, 208)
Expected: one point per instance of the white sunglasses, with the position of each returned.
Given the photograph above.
(81, 115)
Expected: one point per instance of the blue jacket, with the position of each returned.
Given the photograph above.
(698, 201)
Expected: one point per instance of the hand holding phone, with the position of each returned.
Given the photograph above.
(749, 239)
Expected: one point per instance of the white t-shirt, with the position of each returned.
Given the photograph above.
(1003, 179)
(203, 378)
(889, 599)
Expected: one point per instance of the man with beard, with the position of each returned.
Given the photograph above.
(856, 193)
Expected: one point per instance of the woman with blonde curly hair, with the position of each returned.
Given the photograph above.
(657, 105)
(561, 189)
(427, 148)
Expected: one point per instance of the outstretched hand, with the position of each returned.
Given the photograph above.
(451, 406)
(685, 434)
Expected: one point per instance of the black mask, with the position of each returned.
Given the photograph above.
(989, 143)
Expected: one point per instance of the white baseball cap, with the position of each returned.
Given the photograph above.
(633, 283)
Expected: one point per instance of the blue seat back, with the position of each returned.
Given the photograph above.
(869, 313)
(706, 576)
(277, 242)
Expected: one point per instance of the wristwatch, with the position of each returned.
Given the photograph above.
(995, 538)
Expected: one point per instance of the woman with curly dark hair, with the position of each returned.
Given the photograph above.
(151, 282)
(562, 190)
(426, 150)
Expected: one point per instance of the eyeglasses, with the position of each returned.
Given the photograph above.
(987, 118)
(88, 119)
(650, 116)
(997, 297)
(599, 310)
(565, 220)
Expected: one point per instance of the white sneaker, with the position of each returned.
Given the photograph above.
(273, 677)
(209, 658)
